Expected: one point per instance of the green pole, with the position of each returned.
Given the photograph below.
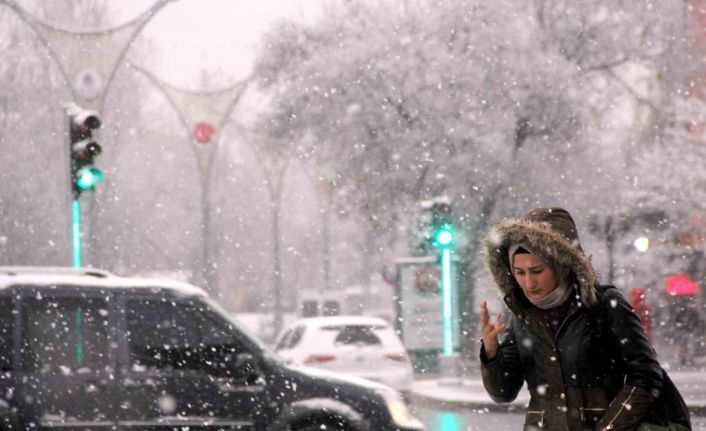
(446, 289)
(76, 232)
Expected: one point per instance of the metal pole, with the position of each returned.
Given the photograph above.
(327, 245)
(75, 204)
(76, 232)
(277, 264)
(447, 302)
(206, 269)
(610, 245)
(275, 179)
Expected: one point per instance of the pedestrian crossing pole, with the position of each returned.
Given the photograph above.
(76, 232)
(444, 240)
(83, 150)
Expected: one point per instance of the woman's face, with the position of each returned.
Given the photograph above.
(534, 277)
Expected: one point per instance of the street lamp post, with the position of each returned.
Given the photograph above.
(274, 163)
(203, 114)
(275, 180)
(324, 186)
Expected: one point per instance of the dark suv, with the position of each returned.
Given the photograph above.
(90, 350)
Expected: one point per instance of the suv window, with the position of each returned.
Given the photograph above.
(7, 323)
(64, 334)
(176, 335)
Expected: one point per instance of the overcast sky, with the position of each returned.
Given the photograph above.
(223, 35)
(219, 36)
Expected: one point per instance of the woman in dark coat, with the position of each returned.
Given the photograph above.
(578, 345)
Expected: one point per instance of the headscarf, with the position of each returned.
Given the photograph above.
(562, 290)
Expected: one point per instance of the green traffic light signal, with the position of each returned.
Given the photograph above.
(88, 177)
(444, 237)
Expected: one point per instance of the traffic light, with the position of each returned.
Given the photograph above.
(435, 227)
(83, 149)
(443, 234)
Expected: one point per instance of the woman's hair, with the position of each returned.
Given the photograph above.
(521, 250)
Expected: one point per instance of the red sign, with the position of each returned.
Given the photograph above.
(680, 284)
(203, 132)
(428, 279)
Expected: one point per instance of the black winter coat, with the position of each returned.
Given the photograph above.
(598, 372)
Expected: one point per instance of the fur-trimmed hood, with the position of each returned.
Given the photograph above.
(551, 234)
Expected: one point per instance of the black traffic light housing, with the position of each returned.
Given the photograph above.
(435, 227)
(83, 149)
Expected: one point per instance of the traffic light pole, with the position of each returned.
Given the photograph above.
(76, 246)
(444, 239)
(446, 289)
(76, 232)
(76, 257)
(449, 368)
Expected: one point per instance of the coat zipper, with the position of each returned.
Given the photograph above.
(572, 310)
(563, 323)
(622, 406)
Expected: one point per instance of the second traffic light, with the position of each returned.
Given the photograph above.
(84, 149)
(443, 234)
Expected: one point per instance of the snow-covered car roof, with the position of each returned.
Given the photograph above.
(64, 276)
(319, 322)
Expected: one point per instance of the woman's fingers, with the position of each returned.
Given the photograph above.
(484, 318)
(497, 329)
(498, 326)
(489, 328)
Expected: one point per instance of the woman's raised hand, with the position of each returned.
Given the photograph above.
(490, 331)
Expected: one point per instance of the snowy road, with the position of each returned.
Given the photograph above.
(439, 420)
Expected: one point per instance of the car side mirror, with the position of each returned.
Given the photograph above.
(246, 368)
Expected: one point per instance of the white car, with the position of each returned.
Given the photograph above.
(366, 347)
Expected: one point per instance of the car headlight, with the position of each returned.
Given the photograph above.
(399, 412)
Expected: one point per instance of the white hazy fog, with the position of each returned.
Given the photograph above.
(501, 106)
(222, 36)
(191, 37)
